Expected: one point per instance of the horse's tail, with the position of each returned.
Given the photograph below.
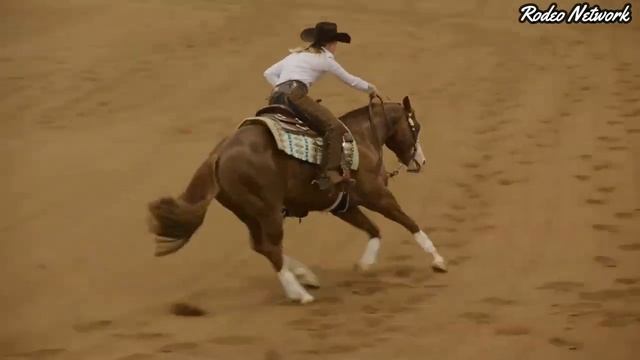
(175, 220)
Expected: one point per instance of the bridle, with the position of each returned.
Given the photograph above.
(412, 127)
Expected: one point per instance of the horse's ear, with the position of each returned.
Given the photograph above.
(407, 104)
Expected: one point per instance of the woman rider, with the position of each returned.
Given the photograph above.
(291, 78)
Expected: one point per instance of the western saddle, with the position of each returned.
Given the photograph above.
(288, 119)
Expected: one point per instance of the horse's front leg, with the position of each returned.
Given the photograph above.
(357, 218)
(384, 203)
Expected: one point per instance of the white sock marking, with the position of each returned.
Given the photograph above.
(370, 252)
(292, 287)
(303, 274)
(423, 240)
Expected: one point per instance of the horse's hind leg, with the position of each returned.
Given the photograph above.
(270, 245)
(385, 203)
(304, 275)
(357, 218)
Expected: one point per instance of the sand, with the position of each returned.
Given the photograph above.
(532, 190)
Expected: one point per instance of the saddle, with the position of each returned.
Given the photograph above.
(296, 139)
(287, 118)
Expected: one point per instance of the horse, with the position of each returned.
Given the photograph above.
(249, 175)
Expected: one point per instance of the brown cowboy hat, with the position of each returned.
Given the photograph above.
(324, 32)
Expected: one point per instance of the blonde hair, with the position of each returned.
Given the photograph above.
(308, 48)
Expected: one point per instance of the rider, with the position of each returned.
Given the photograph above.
(291, 78)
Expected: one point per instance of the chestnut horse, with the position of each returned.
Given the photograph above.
(251, 177)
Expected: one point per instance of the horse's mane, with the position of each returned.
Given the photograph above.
(354, 113)
(364, 110)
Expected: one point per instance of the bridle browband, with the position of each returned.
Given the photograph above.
(374, 131)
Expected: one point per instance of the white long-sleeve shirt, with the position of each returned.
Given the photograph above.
(309, 67)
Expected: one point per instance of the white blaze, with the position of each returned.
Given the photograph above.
(418, 159)
(419, 156)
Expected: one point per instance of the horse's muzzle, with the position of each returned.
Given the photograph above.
(418, 160)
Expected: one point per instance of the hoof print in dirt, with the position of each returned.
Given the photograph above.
(184, 309)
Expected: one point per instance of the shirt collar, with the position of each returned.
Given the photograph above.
(328, 53)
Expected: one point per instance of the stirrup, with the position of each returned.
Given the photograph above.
(325, 181)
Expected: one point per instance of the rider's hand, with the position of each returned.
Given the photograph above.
(372, 90)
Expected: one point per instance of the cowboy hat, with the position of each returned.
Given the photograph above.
(324, 32)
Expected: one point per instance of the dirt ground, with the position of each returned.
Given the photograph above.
(532, 190)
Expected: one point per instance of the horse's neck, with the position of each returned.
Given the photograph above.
(360, 126)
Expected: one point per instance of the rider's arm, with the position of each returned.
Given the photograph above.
(272, 74)
(342, 74)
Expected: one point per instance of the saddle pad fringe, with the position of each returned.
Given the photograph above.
(300, 146)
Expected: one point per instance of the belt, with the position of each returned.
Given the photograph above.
(289, 85)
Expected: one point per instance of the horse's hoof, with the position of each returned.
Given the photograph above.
(310, 282)
(439, 265)
(307, 278)
(306, 298)
(362, 267)
(166, 245)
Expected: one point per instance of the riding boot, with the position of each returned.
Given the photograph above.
(330, 166)
(322, 121)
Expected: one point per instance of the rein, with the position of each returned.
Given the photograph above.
(374, 131)
(373, 128)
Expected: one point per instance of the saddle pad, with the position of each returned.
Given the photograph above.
(304, 147)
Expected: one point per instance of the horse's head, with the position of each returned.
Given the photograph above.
(403, 140)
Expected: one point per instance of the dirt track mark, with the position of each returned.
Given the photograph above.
(628, 281)
(434, 229)
(623, 215)
(605, 227)
(562, 286)
(630, 114)
(596, 201)
(630, 247)
(41, 354)
(458, 207)
(184, 309)
(564, 343)
(608, 139)
(620, 319)
(332, 349)
(235, 340)
(611, 294)
(177, 347)
(454, 218)
(606, 261)
(577, 309)
(526, 162)
(92, 326)
(418, 298)
(400, 258)
(498, 301)
(582, 177)
(513, 330)
(404, 271)
(478, 317)
(507, 182)
(273, 355)
(142, 335)
(602, 166)
(136, 356)
(459, 260)
(606, 189)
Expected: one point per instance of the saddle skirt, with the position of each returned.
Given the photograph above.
(295, 139)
